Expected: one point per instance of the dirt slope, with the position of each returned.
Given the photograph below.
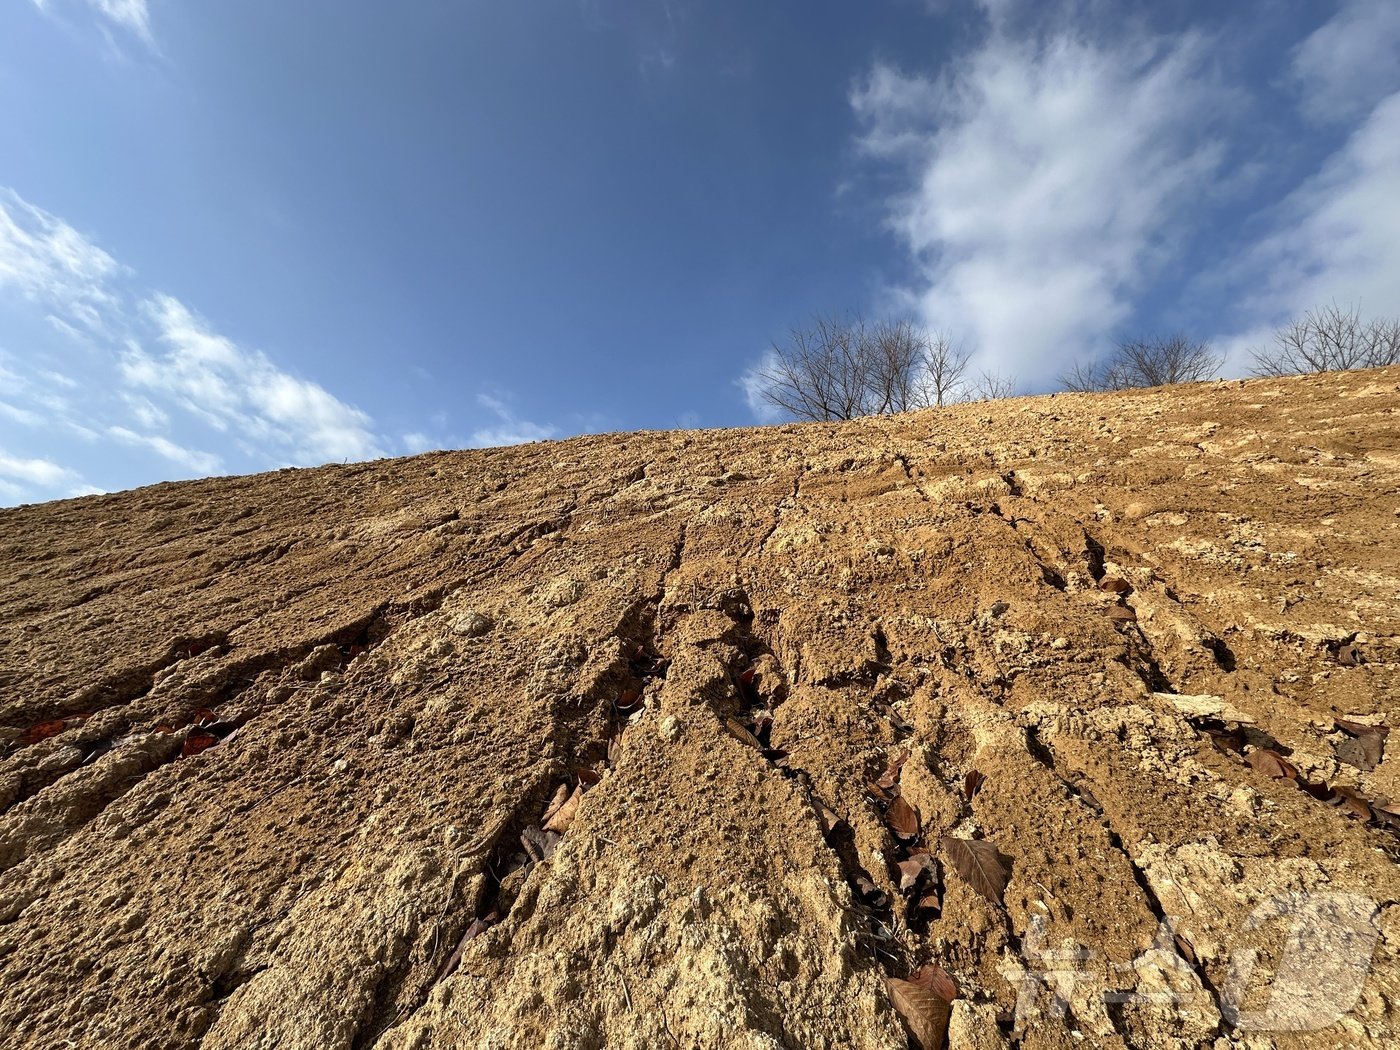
(324, 706)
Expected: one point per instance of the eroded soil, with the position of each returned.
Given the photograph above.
(272, 743)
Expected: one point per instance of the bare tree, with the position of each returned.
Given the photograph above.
(896, 351)
(822, 372)
(945, 371)
(1330, 339)
(1156, 361)
(833, 369)
(993, 386)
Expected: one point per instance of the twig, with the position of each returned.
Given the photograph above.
(625, 993)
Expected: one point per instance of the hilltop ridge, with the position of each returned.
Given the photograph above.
(678, 739)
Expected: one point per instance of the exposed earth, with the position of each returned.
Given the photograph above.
(1051, 722)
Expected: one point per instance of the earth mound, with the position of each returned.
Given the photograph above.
(1049, 722)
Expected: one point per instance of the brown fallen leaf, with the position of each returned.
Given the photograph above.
(196, 742)
(629, 699)
(980, 864)
(587, 776)
(1185, 949)
(1271, 764)
(477, 928)
(1114, 585)
(615, 748)
(1122, 614)
(1388, 815)
(539, 844)
(871, 894)
(1364, 751)
(740, 732)
(922, 1006)
(1349, 656)
(890, 777)
(1362, 728)
(827, 817)
(903, 819)
(561, 795)
(564, 815)
(1228, 740)
(1351, 802)
(972, 782)
(931, 903)
(918, 868)
(876, 792)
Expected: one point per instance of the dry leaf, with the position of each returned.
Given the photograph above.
(587, 776)
(1271, 764)
(922, 1009)
(918, 868)
(876, 792)
(871, 894)
(564, 816)
(1185, 949)
(1115, 585)
(903, 819)
(740, 732)
(1363, 752)
(972, 782)
(930, 902)
(629, 699)
(539, 844)
(827, 817)
(1349, 656)
(890, 777)
(561, 795)
(1362, 728)
(1351, 802)
(196, 742)
(978, 862)
(1122, 614)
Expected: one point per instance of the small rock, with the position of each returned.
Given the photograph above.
(472, 624)
(671, 729)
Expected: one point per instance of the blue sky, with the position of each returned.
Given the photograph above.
(240, 236)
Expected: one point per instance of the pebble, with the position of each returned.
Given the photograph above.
(472, 624)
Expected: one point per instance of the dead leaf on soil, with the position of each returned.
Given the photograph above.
(920, 867)
(903, 819)
(890, 777)
(1114, 585)
(564, 816)
(1122, 614)
(924, 1004)
(871, 894)
(1363, 752)
(972, 782)
(1271, 764)
(539, 844)
(740, 732)
(1349, 656)
(196, 742)
(1351, 802)
(980, 864)
(561, 795)
(629, 699)
(1362, 728)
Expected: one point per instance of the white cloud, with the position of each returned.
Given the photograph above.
(754, 385)
(1335, 238)
(416, 442)
(131, 15)
(1049, 176)
(1350, 62)
(143, 362)
(233, 388)
(509, 429)
(41, 472)
(22, 416)
(49, 262)
(199, 462)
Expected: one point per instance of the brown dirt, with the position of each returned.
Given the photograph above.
(416, 654)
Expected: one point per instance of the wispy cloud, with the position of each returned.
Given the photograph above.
(132, 16)
(147, 371)
(41, 472)
(199, 462)
(1349, 63)
(1047, 175)
(509, 429)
